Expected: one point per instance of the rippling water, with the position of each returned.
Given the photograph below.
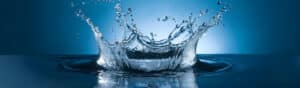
(140, 79)
(247, 71)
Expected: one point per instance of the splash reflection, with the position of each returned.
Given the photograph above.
(112, 79)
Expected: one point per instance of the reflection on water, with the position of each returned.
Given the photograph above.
(135, 79)
(248, 71)
(111, 79)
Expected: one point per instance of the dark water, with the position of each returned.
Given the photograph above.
(247, 71)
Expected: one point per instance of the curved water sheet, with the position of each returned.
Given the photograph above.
(88, 64)
(139, 52)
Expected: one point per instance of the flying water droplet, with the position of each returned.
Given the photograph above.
(166, 18)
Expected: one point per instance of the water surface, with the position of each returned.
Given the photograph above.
(248, 71)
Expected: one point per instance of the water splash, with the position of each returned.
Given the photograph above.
(138, 51)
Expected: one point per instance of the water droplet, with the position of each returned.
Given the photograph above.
(206, 11)
(129, 10)
(219, 2)
(166, 18)
(201, 13)
(72, 4)
(83, 3)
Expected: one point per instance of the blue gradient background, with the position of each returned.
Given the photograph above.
(50, 27)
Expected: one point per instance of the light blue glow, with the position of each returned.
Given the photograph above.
(146, 13)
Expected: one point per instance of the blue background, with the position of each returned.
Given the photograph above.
(50, 26)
